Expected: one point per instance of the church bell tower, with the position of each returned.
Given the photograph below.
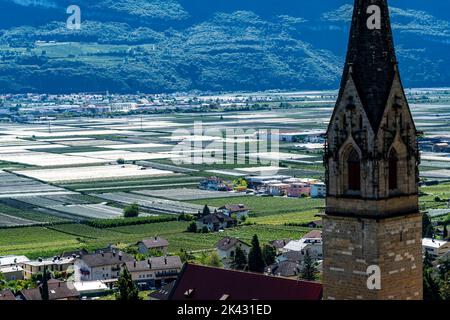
(372, 227)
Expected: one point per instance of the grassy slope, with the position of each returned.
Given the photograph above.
(271, 215)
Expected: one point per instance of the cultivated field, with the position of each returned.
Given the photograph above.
(93, 173)
(188, 194)
(66, 172)
(152, 204)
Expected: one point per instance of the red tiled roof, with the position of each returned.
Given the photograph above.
(56, 291)
(7, 295)
(155, 242)
(316, 234)
(206, 283)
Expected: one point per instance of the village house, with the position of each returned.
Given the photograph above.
(100, 266)
(436, 248)
(59, 264)
(240, 210)
(296, 250)
(312, 245)
(313, 234)
(215, 221)
(315, 224)
(9, 261)
(278, 189)
(156, 243)
(214, 184)
(7, 295)
(318, 190)
(200, 283)
(163, 293)
(286, 269)
(154, 272)
(298, 189)
(279, 244)
(226, 249)
(255, 182)
(57, 290)
(12, 273)
(89, 289)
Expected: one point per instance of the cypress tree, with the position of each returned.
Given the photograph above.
(240, 260)
(206, 210)
(255, 258)
(427, 227)
(127, 289)
(44, 287)
(309, 269)
(269, 254)
(427, 261)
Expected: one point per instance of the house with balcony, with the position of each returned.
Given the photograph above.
(153, 244)
(55, 264)
(154, 272)
(100, 266)
(226, 249)
(240, 210)
(298, 189)
(435, 248)
(215, 221)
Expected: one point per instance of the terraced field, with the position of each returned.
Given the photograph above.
(61, 238)
(9, 221)
(35, 241)
(298, 217)
(152, 204)
(267, 206)
(134, 184)
(181, 194)
(26, 213)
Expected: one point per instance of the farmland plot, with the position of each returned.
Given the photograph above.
(117, 154)
(90, 211)
(187, 194)
(153, 204)
(42, 159)
(56, 200)
(90, 173)
(13, 186)
(443, 174)
(11, 221)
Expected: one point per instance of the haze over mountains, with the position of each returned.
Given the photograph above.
(182, 45)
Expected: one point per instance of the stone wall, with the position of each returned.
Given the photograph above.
(351, 245)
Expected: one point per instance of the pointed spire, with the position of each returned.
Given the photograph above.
(371, 58)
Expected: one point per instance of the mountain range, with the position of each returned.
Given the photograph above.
(157, 46)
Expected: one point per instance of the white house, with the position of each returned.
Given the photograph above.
(154, 272)
(12, 273)
(8, 261)
(91, 288)
(312, 245)
(155, 243)
(226, 249)
(239, 210)
(436, 248)
(215, 221)
(58, 264)
(100, 266)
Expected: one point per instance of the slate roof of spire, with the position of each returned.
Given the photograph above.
(371, 59)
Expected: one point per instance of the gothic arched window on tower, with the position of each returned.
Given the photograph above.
(393, 171)
(354, 172)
